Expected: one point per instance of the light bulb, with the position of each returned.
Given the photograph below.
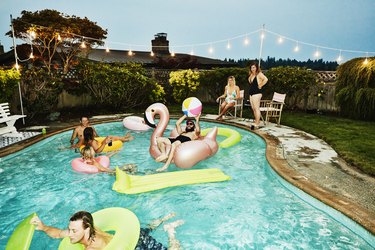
(130, 52)
(152, 53)
(210, 50)
(365, 61)
(280, 40)
(31, 55)
(107, 49)
(228, 45)
(296, 49)
(246, 41)
(83, 45)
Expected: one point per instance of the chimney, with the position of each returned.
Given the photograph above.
(160, 45)
(1, 49)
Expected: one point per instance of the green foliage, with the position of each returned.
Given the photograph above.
(214, 81)
(355, 91)
(184, 83)
(8, 83)
(289, 80)
(40, 91)
(119, 85)
(55, 32)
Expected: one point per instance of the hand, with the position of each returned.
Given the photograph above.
(37, 222)
(198, 116)
(107, 140)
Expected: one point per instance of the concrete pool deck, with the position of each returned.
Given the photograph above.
(300, 158)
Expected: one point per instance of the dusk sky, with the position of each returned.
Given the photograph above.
(198, 25)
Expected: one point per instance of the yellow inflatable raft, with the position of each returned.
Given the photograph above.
(233, 137)
(132, 184)
(115, 145)
(121, 220)
(22, 235)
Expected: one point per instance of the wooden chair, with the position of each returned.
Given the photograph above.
(9, 129)
(272, 108)
(237, 108)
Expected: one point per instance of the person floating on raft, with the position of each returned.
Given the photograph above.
(82, 230)
(186, 154)
(191, 132)
(90, 140)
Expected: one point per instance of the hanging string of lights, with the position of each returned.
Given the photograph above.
(211, 44)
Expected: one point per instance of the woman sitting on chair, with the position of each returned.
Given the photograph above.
(231, 93)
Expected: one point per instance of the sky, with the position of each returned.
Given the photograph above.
(207, 27)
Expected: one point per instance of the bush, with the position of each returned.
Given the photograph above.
(355, 90)
(8, 84)
(119, 85)
(40, 91)
(184, 83)
(290, 80)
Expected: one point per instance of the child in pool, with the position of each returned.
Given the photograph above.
(88, 155)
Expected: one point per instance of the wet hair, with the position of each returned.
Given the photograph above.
(256, 66)
(87, 221)
(86, 152)
(88, 134)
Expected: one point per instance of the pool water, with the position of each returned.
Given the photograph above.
(254, 210)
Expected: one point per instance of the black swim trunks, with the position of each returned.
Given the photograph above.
(180, 138)
(254, 89)
(146, 241)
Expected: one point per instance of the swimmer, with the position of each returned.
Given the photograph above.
(88, 155)
(82, 230)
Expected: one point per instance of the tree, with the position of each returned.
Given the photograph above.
(54, 34)
(184, 83)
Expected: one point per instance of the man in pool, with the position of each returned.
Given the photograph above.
(81, 229)
(78, 132)
(192, 132)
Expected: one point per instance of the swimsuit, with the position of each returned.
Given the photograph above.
(254, 88)
(234, 95)
(180, 138)
(146, 241)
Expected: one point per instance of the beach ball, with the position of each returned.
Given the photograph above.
(191, 107)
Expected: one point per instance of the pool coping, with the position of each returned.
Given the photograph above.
(361, 215)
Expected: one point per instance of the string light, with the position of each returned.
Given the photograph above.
(339, 59)
(317, 53)
(192, 52)
(31, 55)
(228, 45)
(107, 49)
(296, 49)
(366, 60)
(130, 53)
(83, 45)
(152, 53)
(246, 41)
(210, 50)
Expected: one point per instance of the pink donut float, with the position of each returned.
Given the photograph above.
(80, 166)
(135, 123)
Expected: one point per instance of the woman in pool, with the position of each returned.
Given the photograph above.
(88, 155)
(231, 92)
(89, 140)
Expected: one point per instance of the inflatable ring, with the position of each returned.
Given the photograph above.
(115, 145)
(79, 165)
(135, 123)
(121, 220)
(22, 235)
(233, 137)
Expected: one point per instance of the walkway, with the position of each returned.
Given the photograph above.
(300, 158)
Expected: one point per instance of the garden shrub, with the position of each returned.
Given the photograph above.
(290, 80)
(184, 83)
(119, 85)
(8, 84)
(40, 91)
(355, 90)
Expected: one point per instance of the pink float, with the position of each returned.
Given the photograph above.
(187, 154)
(79, 165)
(135, 123)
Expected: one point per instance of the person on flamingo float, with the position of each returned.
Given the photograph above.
(191, 132)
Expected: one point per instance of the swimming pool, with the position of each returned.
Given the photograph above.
(254, 210)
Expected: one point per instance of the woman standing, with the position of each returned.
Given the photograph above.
(257, 80)
(231, 93)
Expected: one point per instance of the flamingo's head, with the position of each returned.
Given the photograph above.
(152, 110)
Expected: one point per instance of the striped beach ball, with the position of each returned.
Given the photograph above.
(191, 106)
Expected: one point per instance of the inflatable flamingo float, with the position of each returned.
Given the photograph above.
(188, 153)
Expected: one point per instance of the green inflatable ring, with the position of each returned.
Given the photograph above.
(121, 220)
(233, 137)
(22, 235)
